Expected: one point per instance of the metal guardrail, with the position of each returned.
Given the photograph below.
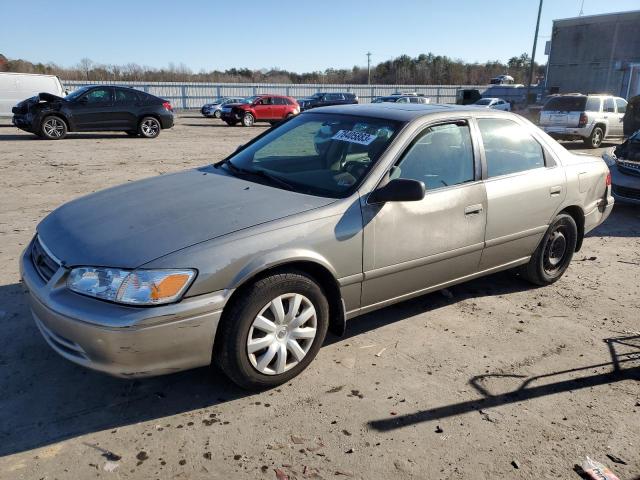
(193, 95)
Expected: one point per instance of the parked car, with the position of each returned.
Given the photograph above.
(15, 87)
(260, 108)
(94, 108)
(325, 99)
(495, 103)
(214, 109)
(337, 212)
(590, 118)
(624, 164)
(402, 99)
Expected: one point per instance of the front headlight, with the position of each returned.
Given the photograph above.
(137, 287)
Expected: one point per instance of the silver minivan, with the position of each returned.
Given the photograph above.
(590, 118)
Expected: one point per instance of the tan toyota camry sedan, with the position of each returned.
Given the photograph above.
(333, 213)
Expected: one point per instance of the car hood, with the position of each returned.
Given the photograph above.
(132, 224)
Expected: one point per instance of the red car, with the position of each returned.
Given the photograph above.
(260, 108)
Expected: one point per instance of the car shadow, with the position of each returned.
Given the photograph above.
(579, 145)
(209, 125)
(45, 398)
(624, 221)
(70, 136)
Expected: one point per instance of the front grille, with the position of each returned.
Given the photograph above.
(627, 192)
(43, 262)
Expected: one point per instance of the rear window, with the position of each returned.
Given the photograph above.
(572, 104)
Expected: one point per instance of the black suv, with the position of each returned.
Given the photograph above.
(94, 108)
(324, 99)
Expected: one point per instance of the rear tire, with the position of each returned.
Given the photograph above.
(553, 256)
(149, 127)
(53, 128)
(245, 340)
(595, 139)
(248, 120)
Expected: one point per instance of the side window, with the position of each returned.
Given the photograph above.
(414, 100)
(279, 101)
(509, 147)
(99, 95)
(622, 105)
(441, 156)
(126, 96)
(403, 100)
(593, 104)
(609, 106)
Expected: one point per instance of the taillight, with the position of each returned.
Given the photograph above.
(607, 182)
(583, 120)
(167, 106)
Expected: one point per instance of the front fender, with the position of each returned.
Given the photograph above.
(279, 258)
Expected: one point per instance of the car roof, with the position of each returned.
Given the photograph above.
(404, 112)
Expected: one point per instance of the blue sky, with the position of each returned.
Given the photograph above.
(295, 35)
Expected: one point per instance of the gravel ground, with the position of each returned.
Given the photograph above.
(492, 379)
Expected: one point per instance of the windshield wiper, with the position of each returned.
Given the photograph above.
(258, 173)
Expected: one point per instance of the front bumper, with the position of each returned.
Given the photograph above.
(121, 340)
(233, 116)
(24, 122)
(625, 187)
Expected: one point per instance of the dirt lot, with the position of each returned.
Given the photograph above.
(497, 380)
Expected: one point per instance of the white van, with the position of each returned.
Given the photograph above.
(15, 87)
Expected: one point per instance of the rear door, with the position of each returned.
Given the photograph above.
(126, 105)
(614, 127)
(279, 107)
(524, 185)
(94, 110)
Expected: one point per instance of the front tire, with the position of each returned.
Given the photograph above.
(273, 331)
(248, 120)
(553, 256)
(217, 114)
(149, 127)
(595, 139)
(53, 128)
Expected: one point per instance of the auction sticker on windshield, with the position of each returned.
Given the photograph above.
(354, 137)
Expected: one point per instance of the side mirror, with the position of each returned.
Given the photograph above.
(399, 190)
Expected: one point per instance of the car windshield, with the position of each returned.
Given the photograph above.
(76, 93)
(484, 101)
(316, 96)
(319, 154)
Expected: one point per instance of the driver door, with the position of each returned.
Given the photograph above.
(263, 108)
(410, 247)
(94, 110)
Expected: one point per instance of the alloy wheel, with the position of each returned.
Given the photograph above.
(150, 127)
(53, 127)
(282, 334)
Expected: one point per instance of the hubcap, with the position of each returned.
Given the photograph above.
(282, 334)
(597, 138)
(248, 120)
(150, 127)
(53, 127)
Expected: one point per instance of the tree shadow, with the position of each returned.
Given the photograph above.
(625, 365)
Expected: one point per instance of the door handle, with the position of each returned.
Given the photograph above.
(473, 209)
(555, 191)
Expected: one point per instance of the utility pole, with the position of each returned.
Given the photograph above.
(368, 68)
(533, 55)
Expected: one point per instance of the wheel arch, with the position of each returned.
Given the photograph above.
(60, 115)
(603, 126)
(312, 265)
(154, 115)
(578, 216)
